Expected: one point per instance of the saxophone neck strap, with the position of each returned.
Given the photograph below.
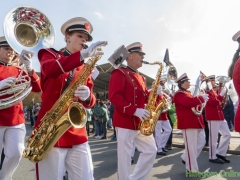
(69, 79)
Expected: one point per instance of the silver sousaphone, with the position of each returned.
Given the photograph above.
(29, 29)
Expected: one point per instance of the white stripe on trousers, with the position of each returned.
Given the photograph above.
(162, 137)
(76, 160)
(194, 140)
(126, 140)
(214, 128)
(12, 139)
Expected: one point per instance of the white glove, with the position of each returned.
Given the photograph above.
(223, 91)
(209, 84)
(8, 82)
(205, 97)
(82, 92)
(25, 58)
(159, 90)
(142, 114)
(92, 50)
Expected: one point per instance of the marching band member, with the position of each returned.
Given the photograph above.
(233, 72)
(162, 123)
(216, 123)
(128, 93)
(12, 122)
(192, 126)
(71, 152)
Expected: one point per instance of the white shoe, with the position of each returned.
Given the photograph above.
(97, 137)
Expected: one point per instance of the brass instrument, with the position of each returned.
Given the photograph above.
(147, 127)
(24, 28)
(198, 109)
(28, 28)
(55, 123)
(170, 77)
(17, 92)
(222, 81)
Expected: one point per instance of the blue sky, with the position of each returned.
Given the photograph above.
(197, 32)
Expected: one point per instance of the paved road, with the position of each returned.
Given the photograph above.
(104, 153)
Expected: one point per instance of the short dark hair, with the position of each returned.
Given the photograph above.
(180, 84)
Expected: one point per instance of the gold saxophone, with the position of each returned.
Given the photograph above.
(147, 127)
(56, 122)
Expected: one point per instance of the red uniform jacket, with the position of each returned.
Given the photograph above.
(127, 91)
(236, 82)
(184, 101)
(213, 110)
(14, 115)
(55, 68)
(163, 116)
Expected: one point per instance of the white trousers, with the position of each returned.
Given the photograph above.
(214, 128)
(162, 137)
(194, 140)
(76, 160)
(126, 140)
(12, 140)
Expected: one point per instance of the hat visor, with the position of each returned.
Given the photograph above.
(185, 79)
(85, 32)
(4, 44)
(236, 36)
(140, 51)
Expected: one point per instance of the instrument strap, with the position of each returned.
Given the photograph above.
(70, 77)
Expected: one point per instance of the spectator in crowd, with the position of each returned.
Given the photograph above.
(98, 128)
(25, 112)
(236, 106)
(93, 124)
(228, 113)
(89, 117)
(30, 111)
(103, 118)
(36, 111)
(111, 110)
(172, 118)
(109, 124)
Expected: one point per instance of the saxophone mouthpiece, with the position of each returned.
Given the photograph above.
(85, 46)
(145, 62)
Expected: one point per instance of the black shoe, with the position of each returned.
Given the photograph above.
(183, 162)
(218, 161)
(161, 153)
(224, 159)
(164, 150)
(103, 138)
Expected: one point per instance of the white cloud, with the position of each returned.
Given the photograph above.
(99, 15)
(160, 19)
(185, 30)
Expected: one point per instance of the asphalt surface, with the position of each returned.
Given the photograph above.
(104, 154)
